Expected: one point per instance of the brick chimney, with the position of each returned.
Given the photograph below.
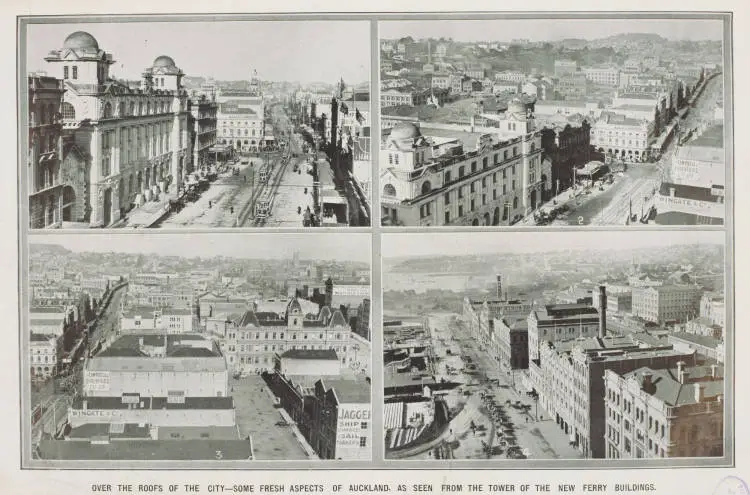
(647, 381)
(698, 388)
(602, 311)
(681, 373)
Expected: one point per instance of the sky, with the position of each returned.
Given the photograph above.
(551, 29)
(341, 246)
(305, 51)
(462, 243)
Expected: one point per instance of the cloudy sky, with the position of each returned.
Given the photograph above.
(324, 246)
(306, 51)
(454, 244)
(551, 30)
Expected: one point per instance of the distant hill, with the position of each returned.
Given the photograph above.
(35, 248)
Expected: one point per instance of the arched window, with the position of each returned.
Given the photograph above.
(389, 190)
(107, 113)
(122, 109)
(148, 108)
(515, 203)
(426, 187)
(132, 109)
(140, 108)
(68, 111)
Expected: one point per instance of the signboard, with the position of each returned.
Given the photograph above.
(666, 204)
(105, 414)
(353, 431)
(96, 381)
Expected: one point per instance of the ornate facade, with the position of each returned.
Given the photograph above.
(133, 143)
(46, 189)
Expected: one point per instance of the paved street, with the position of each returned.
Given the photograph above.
(257, 417)
(538, 438)
(228, 195)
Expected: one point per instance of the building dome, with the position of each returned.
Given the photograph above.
(405, 131)
(81, 40)
(164, 61)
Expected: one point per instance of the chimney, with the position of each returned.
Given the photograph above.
(647, 381)
(698, 387)
(714, 371)
(602, 311)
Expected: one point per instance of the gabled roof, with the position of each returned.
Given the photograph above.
(248, 319)
(337, 320)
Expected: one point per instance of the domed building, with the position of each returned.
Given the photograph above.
(459, 174)
(131, 145)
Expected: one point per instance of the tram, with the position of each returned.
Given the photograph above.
(263, 176)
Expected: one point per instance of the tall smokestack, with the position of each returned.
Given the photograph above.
(500, 287)
(602, 311)
(334, 123)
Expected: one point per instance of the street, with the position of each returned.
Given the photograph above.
(257, 417)
(484, 393)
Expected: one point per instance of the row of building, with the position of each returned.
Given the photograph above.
(632, 394)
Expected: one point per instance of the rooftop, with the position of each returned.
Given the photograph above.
(697, 339)
(147, 450)
(323, 354)
(349, 391)
(666, 386)
(159, 365)
(114, 403)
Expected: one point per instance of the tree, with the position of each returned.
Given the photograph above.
(657, 122)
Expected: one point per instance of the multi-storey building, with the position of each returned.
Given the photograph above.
(44, 351)
(712, 307)
(507, 87)
(566, 144)
(572, 86)
(203, 122)
(605, 76)
(134, 143)
(565, 67)
(558, 322)
(619, 300)
(510, 76)
(438, 179)
(240, 119)
(332, 413)
(568, 376)
(256, 338)
(667, 303)
(512, 334)
(144, 319)
(695, 190)
(623, 137)
(662, 413)
(47, 191)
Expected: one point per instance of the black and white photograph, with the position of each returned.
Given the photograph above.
(197, 124)
(535, 122)
(223, 348)
(555, 346)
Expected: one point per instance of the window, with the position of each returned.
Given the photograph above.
(447, 177)
(75, 72)
(484, 162)
(68, 111)
(473, 167)
(471, 188)
(460, 210)
(447, 198)
(461, 192)
(65, 72)
(447, 217)
(461, 171)
(363, 441)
